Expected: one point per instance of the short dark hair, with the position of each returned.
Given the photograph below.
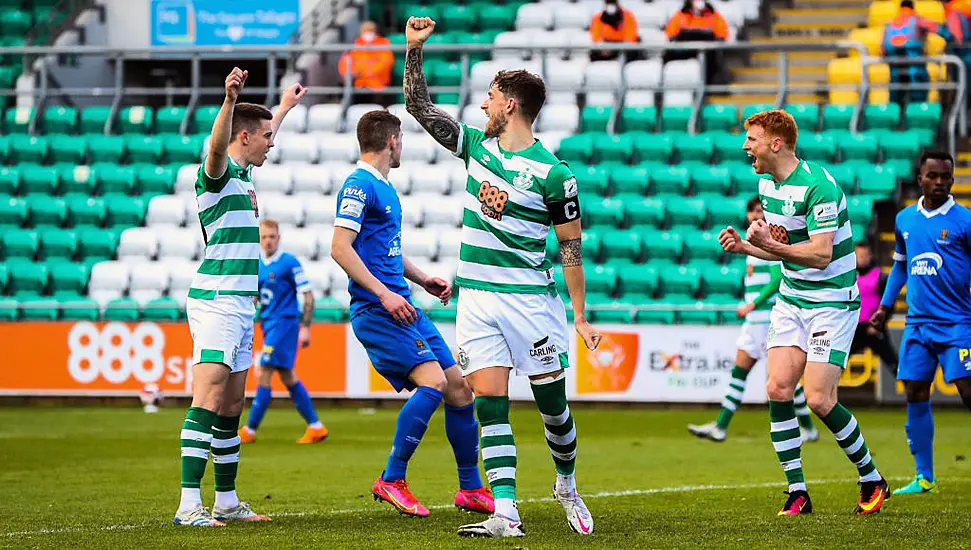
(375, 129)
(247, 116)
(935, 155)
(752, 203)
(526, 88)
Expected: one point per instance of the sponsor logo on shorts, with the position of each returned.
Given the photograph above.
(543, 351)
(964, 355)
(818, 334)
(463, 359)
(770, 336)
(819, 345)
(420, 344)
(235, 353)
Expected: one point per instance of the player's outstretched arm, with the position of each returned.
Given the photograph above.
(342, 251)
(895, 283)
(217, 159)
(290, 99)
(568, 234)
(439, 124)
(439, 288)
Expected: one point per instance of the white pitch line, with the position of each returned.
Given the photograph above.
(603, 494)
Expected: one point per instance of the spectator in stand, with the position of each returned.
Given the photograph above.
(958, 18)
(370, 69)
(871, 281)
(613, 24)
(697, 21)
(905, 36)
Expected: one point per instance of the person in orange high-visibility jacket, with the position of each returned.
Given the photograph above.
(613, 24)
(697, 21)
(906, 36)
(370, 69)
(957, 15)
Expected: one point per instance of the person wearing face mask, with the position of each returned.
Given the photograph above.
(697, 21)
(613, 24)
(370, 69)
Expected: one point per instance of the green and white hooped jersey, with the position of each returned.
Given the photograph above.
(507, 218)
(757, 276)
(230, 222)
(807, 203)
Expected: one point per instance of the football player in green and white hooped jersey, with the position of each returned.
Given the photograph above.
(509, 316)
(762, 280)
(220, 306)
(812, 324)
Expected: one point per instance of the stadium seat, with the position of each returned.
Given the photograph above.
(203, 118)
(604, 212)
(711, 179)
(94, 118)
(430, 179)
(137, 244)
(38, 180)
(19, 243)
(577, 148)
(68, 278)
(899, 145)
(922, 116)
(497, 16)
(36, 308)
(161, 309)
(168, 120)
(9, 309)
(25, 148)
(106, 149)
(675, 118)
(719, 117)
(125, 211)
(94, 243)
(728, 211)
(27, 278)
(319, 210)
(137, 120)
(332, 148)
(684, 74)
(693, 147)
(673, 179)
(17, 120)
(182, 149)
(664, 245)
(837, 117)
(638, 118)
(166, 210)
(638, 280)
(287, 210)
(591, 244)
(86, 210)
(68, 149)
(325, 117)
(115, 178)
(816, 147)
(109, 280)
(149, 281)
(647, 211)
(881, 116)
(121, 309)
(78, 180)
(58, 244)
(60, 120)
(420, 148)
(691, 212)
(13, 211)
(158, 179)
(622, 245)
(877, 180)
(724, 279)
(144, 148)
(683, 279)
(179, 243)
(594, 118)
(630, 179)
(9, 180)
(79, 308)
(703, 245)
(653, 148)
(613, 148)
(601, 279)
(47, 211)
(858, 147)
(805, 115)
(310, 178)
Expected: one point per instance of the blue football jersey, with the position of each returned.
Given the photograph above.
(937, 248)
(281, 280)
(368, 204)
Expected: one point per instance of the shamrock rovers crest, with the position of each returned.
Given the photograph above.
(523, 180)
(789, 207)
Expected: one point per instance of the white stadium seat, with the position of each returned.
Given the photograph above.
(559, 117)
(448, 246)
(578, 42)
(149, 280)
(354, 114)
(324, 117)
(643, 74)
(474, 116)
(319, 210)
(561, 98)
(412, 210)
(318, 274)
(419, 147)
(181, 273)
(458, 176)
(521, 39)
(443, 211)
(652, 35)
(337, 147)
(600, 99)
(296, 147)
(639, 98)
(534, 16)
(338, 284)
(302, 243)
(179, 243)
(551, 140)
(430, 179)
(109, 280)
(557, 42)
(286, 210)
(137, 244)
(420, 243)
(295, 121)
(311, 178)
(603, 75)
(686, 74)
(273, 179)
(565, 75)
(185, 181)
(408, 122)
(650, 14)
(733, 12)
(446, 270)
(480, 77)
(339, 171)
(568, 16)
(325, 236)
(400, 177)
(165, 210)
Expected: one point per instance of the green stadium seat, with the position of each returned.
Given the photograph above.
(637, 280)
(443, 73)
(38, 180)
(878, 180)
(13, 211)
(14, 22)
(711, 179)
(858, 147)
(78, 179)
(156, 179)
(68, 149)
(925, 137)
(845, 176)
(590, 244)
(60, 120)
(725, 279)
(719, 118)
(144, 148)
(860, 219)
(484, 38)
(697, 147)
(691, 212)
(161, 310)
(560, 282)
(4, 277)
(925, 116)
(672, 179)
(9, 180)
(592, 180)
(93, 119)
(405, 10)
(86, 211)
(622, 245)
(702, 245)
(604, 212)
(136, 120)
(594, 118)
(652, 147)
(638, 119)
(47, 211)
(837, 117)
(184, 149)
(630, 179)
(816, 148)
(168, 120)
(646, 211)
(728, 147)
(125, 211)
(498, 17)
(4, 148)
(79, 308)
(106, 148)
(121, 309)
(17, 120)
(857, 204)
(613, 148)
(203, 118)
(727, 211)
(398, 69)
(806, 116)
(751, 110)
(19, 243)
(881, 116)
(697, 313)
(8, 77)
(900, 145)
(675, 119)
(657, 314)
(458, 18)
(603, 309)
(27, 278)
(37, 308)
(115, 179)
(439, 39)
(601, 279)
(28, 149)
(58, 244)
(95, 244)
(68, 278)
(683, 279)
(9, 309)
(745, 180)
(664, 245)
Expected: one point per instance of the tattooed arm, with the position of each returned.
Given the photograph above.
(570, 250)
(306, 316)
(442, 126)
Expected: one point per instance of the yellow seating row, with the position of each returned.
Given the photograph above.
(849, 71)
(872, 38)
(882, 11)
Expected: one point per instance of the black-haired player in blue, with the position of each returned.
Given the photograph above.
(404, 346)
(933, 258)
(285, 325)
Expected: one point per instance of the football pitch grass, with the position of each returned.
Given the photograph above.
(109, 478)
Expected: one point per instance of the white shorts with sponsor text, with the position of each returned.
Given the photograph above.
(824, 333)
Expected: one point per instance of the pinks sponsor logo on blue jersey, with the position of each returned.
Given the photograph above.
(355, 192)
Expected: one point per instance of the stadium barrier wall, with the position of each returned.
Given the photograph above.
(634, 363)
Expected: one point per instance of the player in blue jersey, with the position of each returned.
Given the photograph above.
(402, 343)
(285, 325)
(933, 258)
